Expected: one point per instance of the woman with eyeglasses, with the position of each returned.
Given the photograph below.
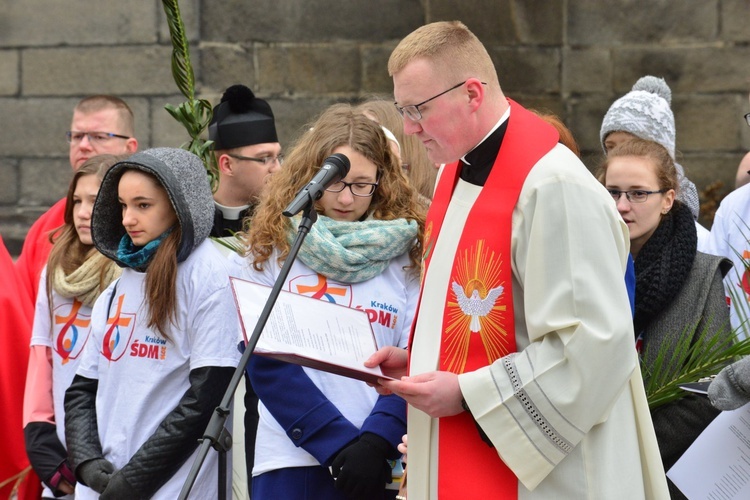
(320, 435)
(678, 289)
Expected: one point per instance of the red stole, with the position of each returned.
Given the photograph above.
(478, 322)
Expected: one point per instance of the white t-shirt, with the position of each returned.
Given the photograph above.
(390, 301)
(142, 376)
(65, 333)
(730, 238)
(66, 337)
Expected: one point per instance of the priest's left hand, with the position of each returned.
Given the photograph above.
(435, 393)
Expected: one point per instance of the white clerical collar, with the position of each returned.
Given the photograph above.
(231, 213)
(500, 122)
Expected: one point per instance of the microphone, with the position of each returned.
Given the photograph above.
(334, 168)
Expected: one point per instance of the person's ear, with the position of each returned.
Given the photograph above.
(224, 164)
(475, 91)
(131, 145)
(668, 201)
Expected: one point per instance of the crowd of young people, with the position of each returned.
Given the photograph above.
(501, 317)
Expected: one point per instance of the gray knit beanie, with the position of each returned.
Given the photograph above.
(183, 176)
(645, 112)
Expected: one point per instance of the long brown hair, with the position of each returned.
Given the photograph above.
(68, 252)
(161, 275)
(339, 125)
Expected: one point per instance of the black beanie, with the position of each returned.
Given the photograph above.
(241, 119)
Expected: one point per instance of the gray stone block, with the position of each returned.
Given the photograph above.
(36, 23)
(375, 79)
(292, 21)
(44, 181)
(706, 123)
(123, 70)
(510, 22)
(586, 71)
(224, 64)
(545, 104)
(35, 126)
(734, 20)
(294, 116)
(307, 71)
(527, 71)
(617, 22)
(10, 77)
(9, 182)
(585, 120)
(705, 169)
(686, 69)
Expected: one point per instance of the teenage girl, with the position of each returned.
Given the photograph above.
(323, 436)
(163, 343)
(75, 275)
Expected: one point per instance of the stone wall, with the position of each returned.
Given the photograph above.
(573, 57)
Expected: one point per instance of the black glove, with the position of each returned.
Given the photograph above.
(47, 455)
(62, 475)
(119, 488)
(96, 473)
(361, 469)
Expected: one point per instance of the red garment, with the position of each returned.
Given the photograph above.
(481, 300)
(15, 330)
(36, 248)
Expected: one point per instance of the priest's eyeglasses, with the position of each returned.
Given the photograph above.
(634, 195)
(75, 137)
(266, 160)
(413, 112)
(364, 189)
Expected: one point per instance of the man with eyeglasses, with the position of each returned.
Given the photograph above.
(247, 152)
(522, 369)
(101, 124)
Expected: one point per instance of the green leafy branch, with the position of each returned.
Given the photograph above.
(194, 114)
(692, 361)
(689, 362)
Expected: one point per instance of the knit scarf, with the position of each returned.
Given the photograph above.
(353, 252)
(663, 265)
(137, 257)
(86, 282)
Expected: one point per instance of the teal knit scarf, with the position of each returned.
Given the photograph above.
(137, 257)
(353, 252)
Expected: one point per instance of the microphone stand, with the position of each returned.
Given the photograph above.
(216, 435)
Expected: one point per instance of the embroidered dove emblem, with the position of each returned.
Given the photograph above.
(475, 306)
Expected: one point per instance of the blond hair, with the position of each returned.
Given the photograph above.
(452, 48)
(95, 103)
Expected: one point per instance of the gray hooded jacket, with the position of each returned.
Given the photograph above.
(183, 176)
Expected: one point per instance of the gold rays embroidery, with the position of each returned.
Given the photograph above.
(477, 270)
